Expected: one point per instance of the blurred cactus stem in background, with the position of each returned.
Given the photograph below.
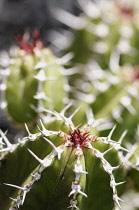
(33, 75)
(72, 107)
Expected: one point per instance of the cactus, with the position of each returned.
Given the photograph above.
(34, 73)
(98, 31)
(112, 95)
(64, 162)
(106, 73)
(67, 167)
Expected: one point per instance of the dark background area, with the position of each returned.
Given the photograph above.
(18, 15)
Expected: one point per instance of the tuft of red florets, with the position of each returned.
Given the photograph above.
(136, 73)
(128, 12)
(24, 41)
(79, 138)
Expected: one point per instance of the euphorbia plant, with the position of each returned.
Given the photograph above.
(63, 165)
(34, 72)
(63, 162)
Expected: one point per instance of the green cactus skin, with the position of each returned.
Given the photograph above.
(81, 171)
(107, 80)
(114, 96)
(99, 31)
(33, 78)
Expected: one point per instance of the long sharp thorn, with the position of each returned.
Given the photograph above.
(111, 132)
(66, 107)
(54, 147)
(122, 136)
(27, 129)
(39, 128)
(13, 199)
(42, 124)
(120, 183)
(5, 139)
(35, 156)
(65, 58)
(43, 128)
(24, 196)
(82, 193)
(15, 186)
(90, 116)
(124, 149)
(74, 112)
(104, 153)
(72, 192)
(5, 149)
(116, 167)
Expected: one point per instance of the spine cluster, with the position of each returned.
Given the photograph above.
(76, 187)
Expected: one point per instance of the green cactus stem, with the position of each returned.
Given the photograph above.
(34, 75)
(99, 30)
(81, 171)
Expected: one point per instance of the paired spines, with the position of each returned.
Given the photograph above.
(31, 80)
(118, 95)
(80, 173)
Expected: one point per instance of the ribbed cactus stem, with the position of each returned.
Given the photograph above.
(109, 169)
(78, 140)
(3, 78)
(40, 94)
(46, 162)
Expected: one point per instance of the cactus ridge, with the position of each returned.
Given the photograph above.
(77, 139)
(35, 72)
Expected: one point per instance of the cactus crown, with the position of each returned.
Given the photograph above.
(26, 46)
(75, 142)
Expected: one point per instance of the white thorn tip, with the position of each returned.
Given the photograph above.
(3, 135)
(116, 167)
(122, 136)
(72, 115)
(66, 107)
(27, 129)
(111, 132)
